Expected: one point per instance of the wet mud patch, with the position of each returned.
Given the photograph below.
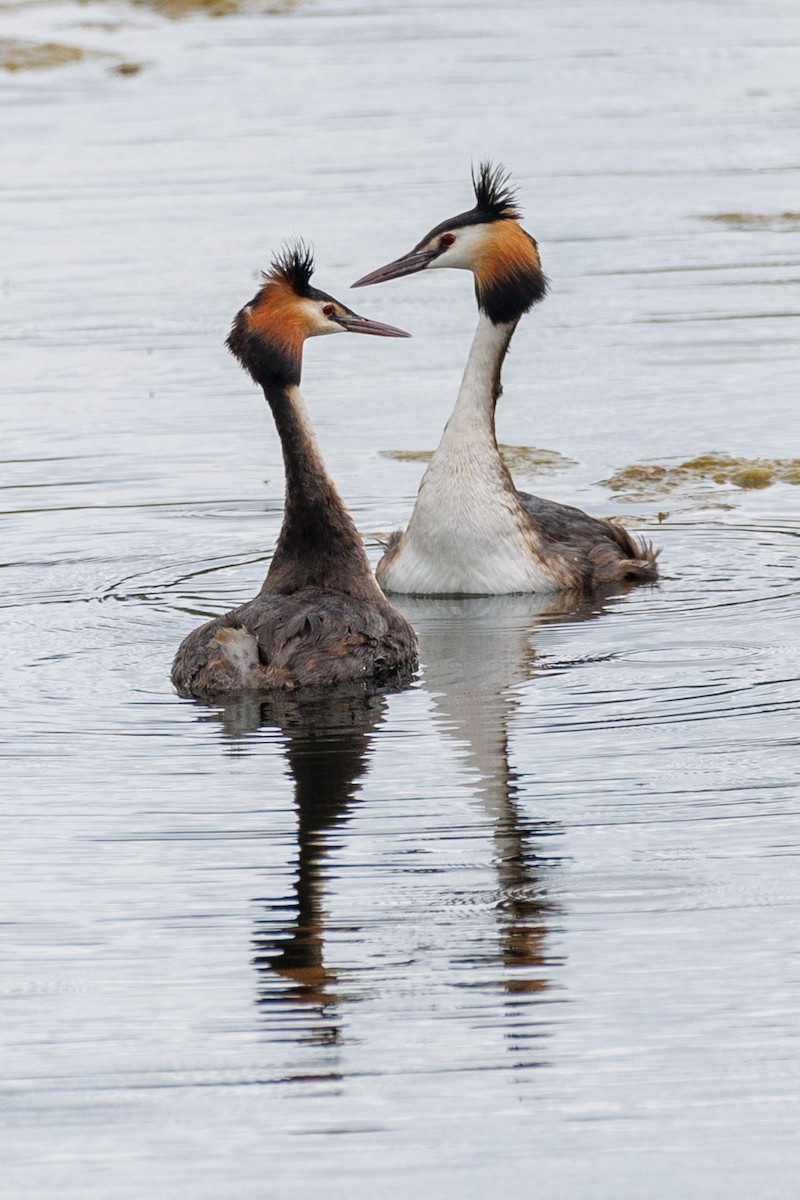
(652, 481)
(520, 460)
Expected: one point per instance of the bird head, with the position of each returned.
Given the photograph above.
(487, 240)
(268, 334)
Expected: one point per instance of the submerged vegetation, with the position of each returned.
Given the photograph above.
(18, 55)
(649, 481)
(521, 460)
(176, 9)
(742, 220)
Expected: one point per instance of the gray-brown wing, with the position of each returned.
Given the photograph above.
(321, 636)
(611, 552)
(310, 638)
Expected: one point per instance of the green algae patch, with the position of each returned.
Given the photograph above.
(649, 481)
(785, 221)
(523, 460)
(37, 56)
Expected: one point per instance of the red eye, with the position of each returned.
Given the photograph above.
(329, 310)
(447, 239)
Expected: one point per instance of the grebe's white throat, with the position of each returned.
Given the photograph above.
(468, 533)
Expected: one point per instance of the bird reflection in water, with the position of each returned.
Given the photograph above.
(476, 653)
(326, 739)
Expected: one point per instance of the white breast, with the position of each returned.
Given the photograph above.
(465, 537)
(468, 534)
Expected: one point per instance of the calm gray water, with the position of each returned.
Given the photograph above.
(529, 927)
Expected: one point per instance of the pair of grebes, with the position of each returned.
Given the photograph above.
(321, 617)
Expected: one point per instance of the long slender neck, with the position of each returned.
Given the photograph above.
(319, 545)
(473, 416)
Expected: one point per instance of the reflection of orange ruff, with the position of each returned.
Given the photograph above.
(311, 983)
(278, 317)
(505, 250)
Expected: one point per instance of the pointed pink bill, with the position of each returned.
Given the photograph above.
(355, 324)
(409, 264)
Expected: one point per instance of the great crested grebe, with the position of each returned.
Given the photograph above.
(320, 617)
(471, 531)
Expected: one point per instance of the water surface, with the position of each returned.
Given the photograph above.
(530, 924)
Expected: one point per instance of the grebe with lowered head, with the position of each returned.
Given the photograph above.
(471, 531)
(320, 618)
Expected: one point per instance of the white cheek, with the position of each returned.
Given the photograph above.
(327, 326)
(463, 253)
(318, 323)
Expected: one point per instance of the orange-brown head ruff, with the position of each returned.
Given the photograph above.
(268, 333)
(275, 318)
(508, 272)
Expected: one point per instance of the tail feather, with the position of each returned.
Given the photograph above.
(639, 561)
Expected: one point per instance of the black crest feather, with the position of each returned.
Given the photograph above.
(294, 264)
(495, 198)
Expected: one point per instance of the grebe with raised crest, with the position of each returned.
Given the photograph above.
(471, 531)
(320, 618)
